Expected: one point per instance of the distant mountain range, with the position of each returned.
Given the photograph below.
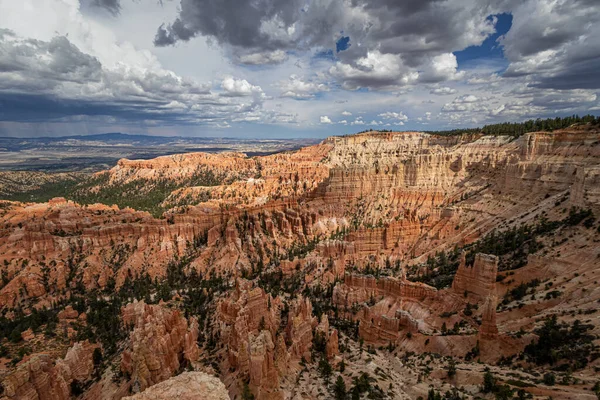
(77, 152)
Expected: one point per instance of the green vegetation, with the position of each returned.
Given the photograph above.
(562, 346)
(449, 395)
(11, 329)
(139, 194)
(501, 392)
(364, 385)
(46, 191)
(339, 389)
(520, 291)
(517, 129)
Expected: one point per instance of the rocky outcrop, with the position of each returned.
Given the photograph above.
(478, 280)
(41, 378)
(585, 192)
(35, 379)
(161, 342)
(299, 328)
(331, 337)
(249, 321)
(489, 329)
(186, 386)
(362, 288)
(264, 375)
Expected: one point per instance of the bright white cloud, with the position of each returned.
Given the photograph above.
(297, 88)
(395, 116)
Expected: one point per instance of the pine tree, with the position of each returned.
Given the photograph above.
(339, 389)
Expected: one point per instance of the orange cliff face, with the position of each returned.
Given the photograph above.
(307, 253)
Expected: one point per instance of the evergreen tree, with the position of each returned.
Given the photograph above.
(339, 389)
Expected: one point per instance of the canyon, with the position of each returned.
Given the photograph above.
(394, 264)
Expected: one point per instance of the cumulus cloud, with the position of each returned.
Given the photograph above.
(397, 117)
(38, 65)
(297, 88)
(239, 88)
(467, 102)
(375, 70)
(253, 27)
(442, 91)
(66, 62)
(357, 121)
(58, 80)
(441, 68)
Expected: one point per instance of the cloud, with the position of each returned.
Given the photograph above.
(357, 121)
(555, 44)
(325, 119)
(263, 58)
(60, 82)
(441, 68)
(375, 70)
(263, 26)
(112, 6)
(467, 102)
(442, 91)
(38, 65)
(297, 88)
(239, 88)
(393, 41)
(397, 117)
(225, 62)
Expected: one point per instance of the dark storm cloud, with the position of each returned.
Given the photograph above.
(584, 74)
(555, 44)
(395, 27)
(37, 65)
(234, 22)
(112, 6)
(17, 108)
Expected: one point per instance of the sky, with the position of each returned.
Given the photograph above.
(292, 68)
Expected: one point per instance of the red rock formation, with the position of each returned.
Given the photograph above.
(250, 319)
(39, 377)
(331, 337)
(264, 376)
(489, 329)
(160, 339)
(478, 280)
(362, 288)
(299, 328)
